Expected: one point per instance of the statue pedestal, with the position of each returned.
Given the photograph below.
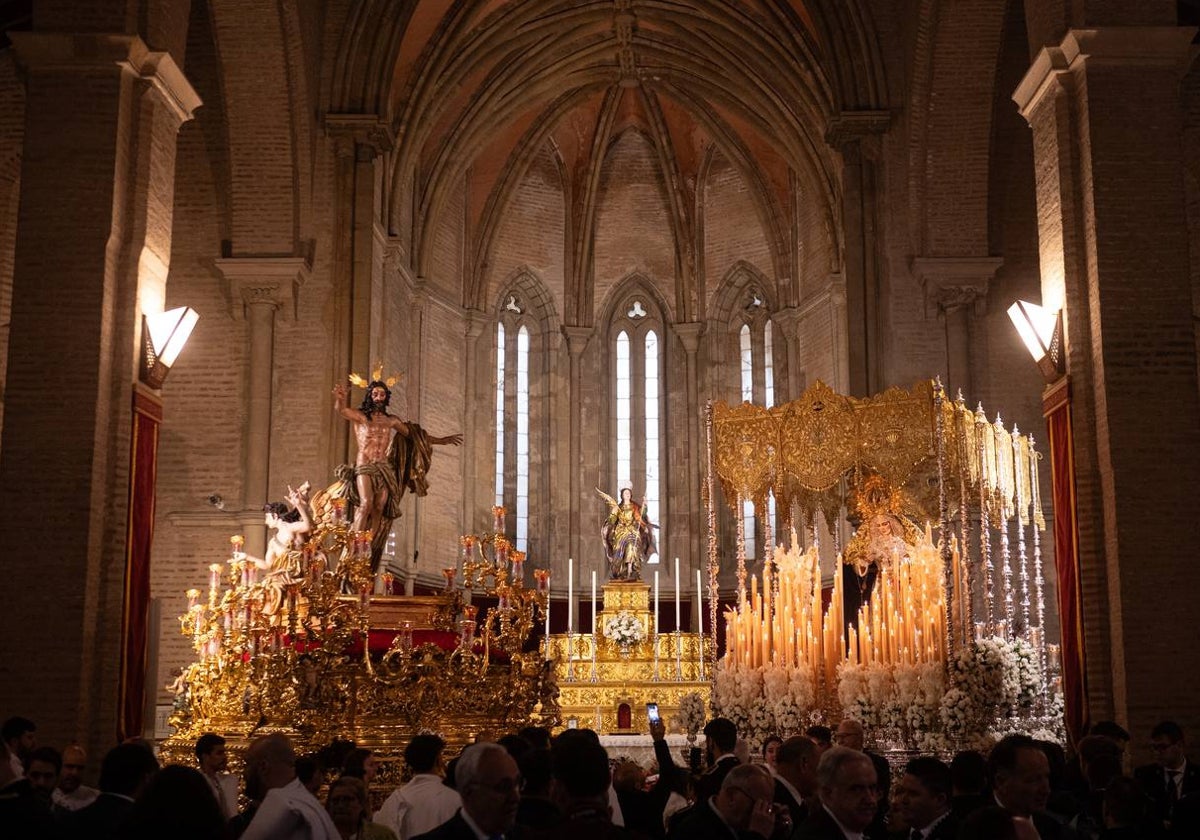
(625, 680)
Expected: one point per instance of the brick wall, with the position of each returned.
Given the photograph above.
(633, 225)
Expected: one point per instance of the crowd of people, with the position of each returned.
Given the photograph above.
(823, 785)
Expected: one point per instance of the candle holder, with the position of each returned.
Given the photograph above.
(449, 574)
(498, 514)
(518, 566)
(389, 583)
(236, 542)
(338, 509)
(466, 637)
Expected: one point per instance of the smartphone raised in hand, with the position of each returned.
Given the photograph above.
(652, 712)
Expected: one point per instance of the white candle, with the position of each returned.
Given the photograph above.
(594, 623)
(677, 627)
(656, 602)
(699, 624)
(547, 620)
(570, 608)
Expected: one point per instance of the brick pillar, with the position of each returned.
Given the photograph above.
(689, 336)
(258, 288)
(92, 255)
(848, 132)
(1105, 113)
(957, 288)
(788, 323)
(838, 322)
(577, 341)
(359, 142)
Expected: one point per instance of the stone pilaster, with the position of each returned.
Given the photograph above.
(853, 133)
(92, 255)
(956, 290)
(260, 287)
(1104, 108)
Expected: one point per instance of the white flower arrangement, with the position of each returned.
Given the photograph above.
(624, 629)
(691, 713)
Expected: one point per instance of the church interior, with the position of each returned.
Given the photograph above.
(565, 231)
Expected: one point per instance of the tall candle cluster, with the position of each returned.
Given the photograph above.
(784, 625)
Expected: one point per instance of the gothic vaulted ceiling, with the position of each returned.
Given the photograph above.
(473, 92)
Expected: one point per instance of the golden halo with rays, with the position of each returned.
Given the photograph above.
(358, 380)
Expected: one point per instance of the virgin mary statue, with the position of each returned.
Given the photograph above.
(628, 536)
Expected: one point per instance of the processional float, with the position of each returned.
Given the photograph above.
(949, 644)
(317, 655)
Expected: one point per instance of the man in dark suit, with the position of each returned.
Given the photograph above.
(922, 797)
(1171, 782)
(124, 772)
(740, 810)
(1020, 775)
(968, 775)
(489, 782)
(847, 785)
(850, 734)
(720, 740)
(796, 776)
(580, 780)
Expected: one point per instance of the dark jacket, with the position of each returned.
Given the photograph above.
(703, 823)
(708, 784)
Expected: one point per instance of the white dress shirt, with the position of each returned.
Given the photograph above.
(419, 806)
(847, 833)
(291, 813)
(81, 797)
(225, 789)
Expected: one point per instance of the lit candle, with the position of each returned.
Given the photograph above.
(699, 624)
(594, 623)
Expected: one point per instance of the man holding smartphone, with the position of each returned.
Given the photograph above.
(741, 810)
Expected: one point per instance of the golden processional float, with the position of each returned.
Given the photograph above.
(314, 654)
(949, 644)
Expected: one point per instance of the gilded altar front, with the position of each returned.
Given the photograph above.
(605, 685)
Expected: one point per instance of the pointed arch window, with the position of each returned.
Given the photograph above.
(637, 370)
(513, 415)
(756, 380)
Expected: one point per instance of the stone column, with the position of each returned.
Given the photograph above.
(359, 141)
(92, 255)
(849, 132)
(1104, 108)
(689, 336)
(258, 288)
(787, 322)
(472, 460)
(957, 288)
(838, 315)
(577, 341)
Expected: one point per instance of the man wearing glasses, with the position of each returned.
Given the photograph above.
(1172, 782)
(490, 784)
(741, 810)
(849, 796)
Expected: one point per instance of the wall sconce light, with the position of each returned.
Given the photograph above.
(163, 338)
(1041, 331)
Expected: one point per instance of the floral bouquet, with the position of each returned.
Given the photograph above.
(624, 629)
(691, 713)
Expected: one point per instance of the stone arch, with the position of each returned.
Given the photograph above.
(528, 290)
(265, 109)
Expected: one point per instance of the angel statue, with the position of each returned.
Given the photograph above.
(628, 536)
(283, 564)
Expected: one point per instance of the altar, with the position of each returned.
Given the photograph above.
(607, 676)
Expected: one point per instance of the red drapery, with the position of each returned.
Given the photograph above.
(139, 535)
(1056, 406)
